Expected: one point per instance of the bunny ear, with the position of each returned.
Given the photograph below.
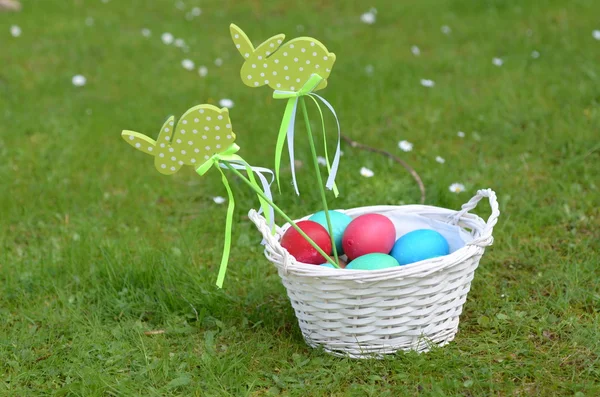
(241, 41)
(139, 141)
(163, 162)
(269, 46)
(164, 136)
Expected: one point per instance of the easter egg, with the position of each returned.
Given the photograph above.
(300, 248)
(327, 264)
(339, 222)
(372, 262)
(419, 245)
(367, 234)
(341, 263)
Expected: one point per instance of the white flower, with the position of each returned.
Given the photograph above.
(15, 31)
(89, 21)
(368, 18)
(321, 160)
(146, 32)
(440, 160)
(446, 29)
(167, 38)
(427, 83)
(415, 50)
(460, 134)
(219, 200)
(535, 54)
(596, 34)
(202, 71)
(196, 11)
(187, 64)
(179, 43)
(367, 173)
(405, 146)
(180, 5)
(218, 62)
(78, 80)
(369, 69)
(457, 188)
(497, 61)
(226, 103)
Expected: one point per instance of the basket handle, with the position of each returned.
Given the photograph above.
(265, 230)
(486, 238)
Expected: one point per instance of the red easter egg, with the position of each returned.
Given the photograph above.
(301, 249)
(368, 234)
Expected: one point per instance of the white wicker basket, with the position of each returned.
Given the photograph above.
(366, 313)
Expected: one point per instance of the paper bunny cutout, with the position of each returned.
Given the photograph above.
(284, 67)
(201, 132)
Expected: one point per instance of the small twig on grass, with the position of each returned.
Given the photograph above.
(155, 332)
(391, 156)
(37, 360)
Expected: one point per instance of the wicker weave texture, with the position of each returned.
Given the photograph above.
(360, 313)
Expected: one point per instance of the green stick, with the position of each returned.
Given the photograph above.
(276, 208)
(318, 172)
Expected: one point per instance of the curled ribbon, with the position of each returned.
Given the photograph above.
(287, 130)
(229, 156)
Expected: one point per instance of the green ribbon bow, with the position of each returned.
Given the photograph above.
(228, 155)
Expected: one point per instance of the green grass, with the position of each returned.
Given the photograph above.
(97, 248)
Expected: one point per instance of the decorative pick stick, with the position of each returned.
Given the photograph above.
(294, 70)
(203, 137)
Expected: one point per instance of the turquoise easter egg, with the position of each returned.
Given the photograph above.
(419, 245)
(373, 261)
(339, 222)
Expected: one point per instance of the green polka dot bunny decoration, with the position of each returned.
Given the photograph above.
(203, 138)
(201, 132)
(284, 67)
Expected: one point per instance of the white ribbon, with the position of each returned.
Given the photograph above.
(336, 157)
(239, 165)
(290, 141)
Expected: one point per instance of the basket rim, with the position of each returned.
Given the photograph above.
(481, 231)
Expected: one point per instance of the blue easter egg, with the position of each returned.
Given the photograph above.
(373, 261)
(339, 222)
(327, 264)
(419, 245)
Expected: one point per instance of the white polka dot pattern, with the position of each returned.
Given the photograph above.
(282, 61)
(171, 152)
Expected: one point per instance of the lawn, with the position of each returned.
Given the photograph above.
(108, 269)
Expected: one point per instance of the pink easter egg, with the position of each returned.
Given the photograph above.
(368, 234)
